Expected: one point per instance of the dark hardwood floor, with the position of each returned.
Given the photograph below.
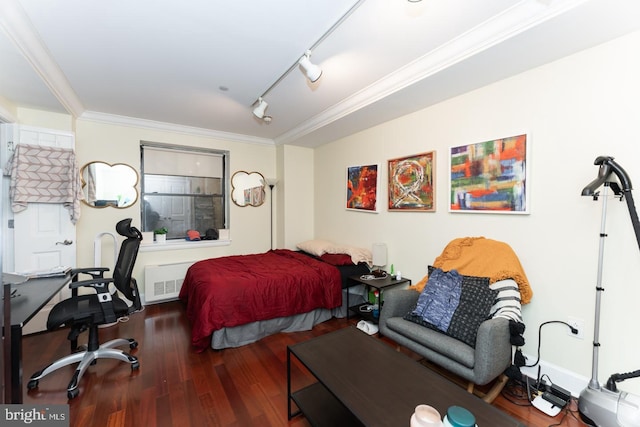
(176, 386)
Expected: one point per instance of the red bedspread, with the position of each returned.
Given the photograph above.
(235, 290)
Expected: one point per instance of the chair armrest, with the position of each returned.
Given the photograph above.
(397, 303)
(101, 285)
(94, 272)
(493, 349)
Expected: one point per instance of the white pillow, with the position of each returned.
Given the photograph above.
(315, 247)
(357, 254)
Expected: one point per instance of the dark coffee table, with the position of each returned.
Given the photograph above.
(364, 382)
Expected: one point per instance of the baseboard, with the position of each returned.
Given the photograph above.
(566, 379)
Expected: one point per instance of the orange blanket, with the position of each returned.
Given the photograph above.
(478, 256)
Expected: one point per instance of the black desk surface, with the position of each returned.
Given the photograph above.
(32, 295)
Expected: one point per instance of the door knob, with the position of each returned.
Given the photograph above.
(67, 242)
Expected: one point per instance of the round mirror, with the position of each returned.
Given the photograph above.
(247, 188)
(109, 185)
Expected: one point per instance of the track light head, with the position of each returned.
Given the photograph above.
(312, 71)
(260, 110)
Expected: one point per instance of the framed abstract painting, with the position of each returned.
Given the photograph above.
(412, 183)
(362, 188)
(490, 176)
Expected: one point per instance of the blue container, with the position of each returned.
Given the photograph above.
(457, 416)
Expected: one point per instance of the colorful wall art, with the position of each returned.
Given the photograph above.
(411, 183)
(490, 176)
(362, 188)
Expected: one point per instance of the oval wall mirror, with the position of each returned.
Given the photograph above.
(107, 185)
(247, 188)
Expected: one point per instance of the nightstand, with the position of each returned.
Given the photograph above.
(380, 285)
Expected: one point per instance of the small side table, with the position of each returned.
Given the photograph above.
(379, 284)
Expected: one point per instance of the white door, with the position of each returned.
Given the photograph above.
(44, 236)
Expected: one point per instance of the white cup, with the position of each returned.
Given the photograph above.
(398, 276)
(426, 416)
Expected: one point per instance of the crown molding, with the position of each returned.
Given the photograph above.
(113, 119)
(522, 16)
(20, 31)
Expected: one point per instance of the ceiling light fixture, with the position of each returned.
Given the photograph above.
(261, 110)
(312, 71)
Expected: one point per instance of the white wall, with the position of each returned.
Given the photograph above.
(295, 192)
(110, 143)
(574, 110)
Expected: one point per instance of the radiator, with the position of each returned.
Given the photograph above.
(163, 282)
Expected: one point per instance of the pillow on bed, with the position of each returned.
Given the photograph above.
(358, 255)
(315, 247)
(337, 259)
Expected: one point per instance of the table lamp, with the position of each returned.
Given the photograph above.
(379, 259)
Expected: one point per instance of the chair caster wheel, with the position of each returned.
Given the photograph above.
(73, 393)
(135, 366)
(133, 344)
(32, 384)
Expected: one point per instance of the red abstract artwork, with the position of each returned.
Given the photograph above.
(362, 188)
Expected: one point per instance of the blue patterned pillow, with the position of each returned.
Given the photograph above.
(476, 300)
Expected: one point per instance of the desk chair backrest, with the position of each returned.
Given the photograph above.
(123, 269)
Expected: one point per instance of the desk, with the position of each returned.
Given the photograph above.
(29, 299)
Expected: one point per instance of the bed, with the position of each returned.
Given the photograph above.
(236, 300)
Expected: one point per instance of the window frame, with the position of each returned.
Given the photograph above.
(174, 243)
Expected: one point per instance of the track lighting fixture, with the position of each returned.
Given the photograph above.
(312, 71)
(260, 110)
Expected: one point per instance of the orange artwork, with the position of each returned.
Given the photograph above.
(411, 183)
(362, 188)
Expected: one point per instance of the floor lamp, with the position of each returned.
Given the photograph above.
(271, 182)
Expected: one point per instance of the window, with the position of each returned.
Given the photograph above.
(183, 188)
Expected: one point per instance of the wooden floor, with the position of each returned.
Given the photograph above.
(176, 386)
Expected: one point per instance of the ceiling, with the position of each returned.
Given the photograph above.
(200, 65)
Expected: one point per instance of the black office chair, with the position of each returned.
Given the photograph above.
(82, 312)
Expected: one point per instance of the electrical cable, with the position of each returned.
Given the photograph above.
(568, 411)
(515, 393)
(573, 330)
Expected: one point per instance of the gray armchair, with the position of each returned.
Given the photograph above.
(480, 365)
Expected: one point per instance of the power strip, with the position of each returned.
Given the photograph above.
(555, 400)
(546, 406)
(560, 392)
